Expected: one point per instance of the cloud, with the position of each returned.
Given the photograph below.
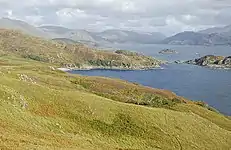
(167, 16)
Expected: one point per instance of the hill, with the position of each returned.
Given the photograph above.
(81, 35)
(65, 55)
(195, 38)
(122, 36)
(6, 23)
(226, 30)
(72, 34)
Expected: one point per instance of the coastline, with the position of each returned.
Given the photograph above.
(211, 66)
(218, 67)
(88, 68)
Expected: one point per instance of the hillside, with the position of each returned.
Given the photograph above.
(65, 55)
(43, 108)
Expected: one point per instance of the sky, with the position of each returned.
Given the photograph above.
(166, 16)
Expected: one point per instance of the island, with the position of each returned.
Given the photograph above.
(212, 61)
(168, 51)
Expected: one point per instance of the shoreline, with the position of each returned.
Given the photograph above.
(108, 68)
(212, 66)
(218, 67)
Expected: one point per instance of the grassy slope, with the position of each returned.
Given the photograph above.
(47, 109)
(66, 55)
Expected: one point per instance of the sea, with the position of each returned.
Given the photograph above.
(212, 86)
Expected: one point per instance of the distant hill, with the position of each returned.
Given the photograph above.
(70, 41)
(61, 32)
(7, 23)
(55, 29)
(65, 40)
(121, 36)
(221, 30)
(211, 36)
(196, 38)
(79, 35)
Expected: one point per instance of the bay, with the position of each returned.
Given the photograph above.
(212, 86)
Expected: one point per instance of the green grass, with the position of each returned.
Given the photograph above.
(43, 108)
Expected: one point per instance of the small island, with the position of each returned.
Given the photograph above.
(168, 51)
(212, 61)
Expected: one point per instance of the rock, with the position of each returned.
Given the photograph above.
(168, 51)
(212, 61)
(227, 61)
(178, 62)
(52, 68)
(25, 78)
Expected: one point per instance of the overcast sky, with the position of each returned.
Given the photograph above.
(166, 16)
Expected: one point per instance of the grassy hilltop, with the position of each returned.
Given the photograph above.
(44, 108)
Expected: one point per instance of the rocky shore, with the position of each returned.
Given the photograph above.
(212, 61)
(85, 67)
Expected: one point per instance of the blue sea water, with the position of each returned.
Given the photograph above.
(194, 82)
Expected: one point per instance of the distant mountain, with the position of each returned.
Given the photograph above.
(65, 40)
(70, 41)
(197, 38)
(61, 32)
(122, 36)
(55, 29)
(221, 30)
(108, 36)
(78, 35)
(7, 23)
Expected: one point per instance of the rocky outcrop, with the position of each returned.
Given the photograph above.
(212, 61)
(168, 51)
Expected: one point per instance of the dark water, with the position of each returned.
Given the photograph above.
(197, 83)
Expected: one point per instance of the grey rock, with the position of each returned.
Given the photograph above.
(212, 61)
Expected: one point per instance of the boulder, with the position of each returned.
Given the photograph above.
(227, 61)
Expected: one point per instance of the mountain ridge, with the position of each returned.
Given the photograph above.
(198, 38)
(78, 35)
(221, 30)
(8, 23)
(208, 37)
